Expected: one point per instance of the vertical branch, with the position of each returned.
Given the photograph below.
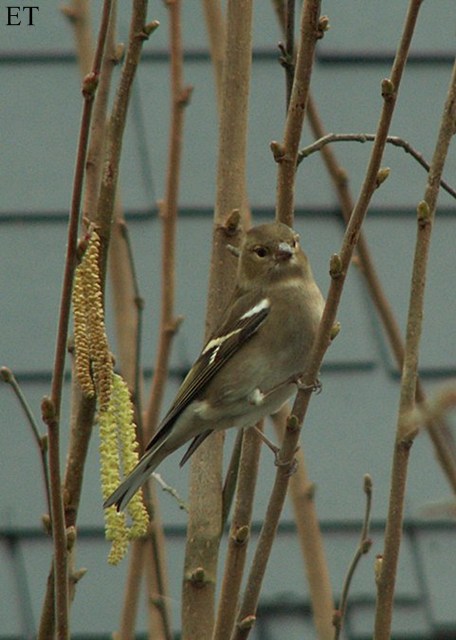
(204, 528)
(96, 149)
(78, 13)
(88, 91)
(310, 538)
(289, 46)
(51, 407)
(301, 490)
(243, 466)
(285, 10)
(286, 156)
(215, 27)
(180, 96)
(132, 590)
(139, 32)
(286, 153)
(82, 415)
(404, 438)
(8, 376)
(60, 569)
(439, 432)
(364, 546)
(338, 270)
(239, 535)
(232, 147)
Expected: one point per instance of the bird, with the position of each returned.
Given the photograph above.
(250, 365)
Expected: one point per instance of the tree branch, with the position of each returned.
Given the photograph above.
(138, 33)
(364, 546)
(440, 433)
(404, 438)
(8, 376)
(369, 137)
(52, 405)
(239, 535)
(338, 270)
(204, 527)
(180, 96)
(302, 494)
(310, 538)
(286, 153)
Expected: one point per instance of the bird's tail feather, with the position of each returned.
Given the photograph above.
(135, 479)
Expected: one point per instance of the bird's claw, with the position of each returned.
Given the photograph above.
(292, 464)
(315, 387)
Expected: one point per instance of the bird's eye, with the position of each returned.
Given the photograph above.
(261, 251)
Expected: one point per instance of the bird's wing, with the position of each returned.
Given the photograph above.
(246, 316)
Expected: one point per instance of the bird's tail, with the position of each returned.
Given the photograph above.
(135, 479)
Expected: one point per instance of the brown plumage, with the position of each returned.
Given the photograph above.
(247, 368)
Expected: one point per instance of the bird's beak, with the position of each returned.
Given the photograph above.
(284, 252)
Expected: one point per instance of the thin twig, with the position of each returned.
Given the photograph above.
(286, 13)
(239, 535)
(440, 434)
(404, 438)
(8, 376)
(83, 409)
(339, 268)
(52, 406)
(302, 494)
(138, 33)
(180, 96)
(96, 150)
(132, 590)
(370, 137)
(231, 476)
(157, 581)
(286, 153)
(89, 86)
(128, 310)
(364, 546)
(171, 490)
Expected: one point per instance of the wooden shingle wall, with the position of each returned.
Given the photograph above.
(350, 427)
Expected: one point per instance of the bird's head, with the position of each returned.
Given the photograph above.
(270, 253)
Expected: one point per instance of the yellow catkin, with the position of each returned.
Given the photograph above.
(98, 341)
(118, 451)
(81, 343)
(116, 529)
(118, 532)
(129, 451)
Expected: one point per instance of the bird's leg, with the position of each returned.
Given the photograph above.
(315, 387)
(257, 396)
(276, 451)
(274, 448)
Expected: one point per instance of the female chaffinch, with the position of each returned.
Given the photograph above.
(249, 367)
